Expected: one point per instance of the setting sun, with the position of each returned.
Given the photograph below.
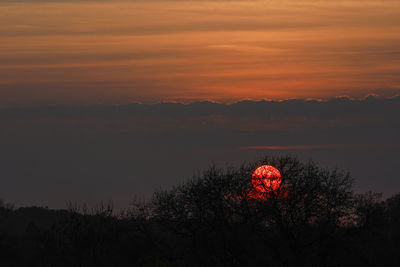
(266, 178)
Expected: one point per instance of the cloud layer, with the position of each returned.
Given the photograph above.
(116, 52)
(51, 155)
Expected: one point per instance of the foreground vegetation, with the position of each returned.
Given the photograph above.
(313, 219)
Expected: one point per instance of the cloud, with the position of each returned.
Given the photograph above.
(321, 146)
(50, 155)
(298, 147)
(150, 51)
(343, 108)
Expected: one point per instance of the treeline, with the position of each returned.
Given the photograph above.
(314, 219)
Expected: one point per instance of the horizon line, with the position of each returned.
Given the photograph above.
(207, 100)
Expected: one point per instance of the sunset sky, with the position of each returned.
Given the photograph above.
(59, 52)
(108, 99)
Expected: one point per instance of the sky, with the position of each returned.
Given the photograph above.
(82, 52)
(112, 99)
(52, 155)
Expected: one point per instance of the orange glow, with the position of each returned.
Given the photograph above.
(266, 178)
(87, 52)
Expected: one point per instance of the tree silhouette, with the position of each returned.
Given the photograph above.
(313, 218)
(216, 214)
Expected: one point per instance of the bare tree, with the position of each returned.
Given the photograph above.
(217, 215)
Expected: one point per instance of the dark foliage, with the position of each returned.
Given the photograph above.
(313, 219)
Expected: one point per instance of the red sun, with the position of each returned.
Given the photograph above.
(266, 178)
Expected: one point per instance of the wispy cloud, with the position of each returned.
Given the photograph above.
(308, 147)
(150, 51)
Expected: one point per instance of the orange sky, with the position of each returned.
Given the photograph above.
(93, 51)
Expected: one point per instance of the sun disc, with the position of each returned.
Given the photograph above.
(266, 178)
